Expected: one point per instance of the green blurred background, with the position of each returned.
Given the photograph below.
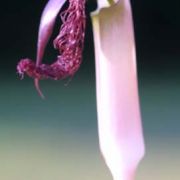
(57, 138)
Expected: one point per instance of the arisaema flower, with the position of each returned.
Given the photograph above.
(119, 120)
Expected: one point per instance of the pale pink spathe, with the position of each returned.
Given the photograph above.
(119, 120)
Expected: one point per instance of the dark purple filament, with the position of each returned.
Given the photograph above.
(69, 43)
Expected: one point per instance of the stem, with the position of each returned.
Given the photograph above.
(128, 175)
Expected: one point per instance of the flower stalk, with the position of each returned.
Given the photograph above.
(119, 120)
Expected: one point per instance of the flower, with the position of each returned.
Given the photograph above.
(119, 120)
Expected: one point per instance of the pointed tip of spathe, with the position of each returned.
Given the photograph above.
(36, 83)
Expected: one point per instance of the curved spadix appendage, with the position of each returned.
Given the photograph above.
(119, 120)
(69, 42)
(46, 26)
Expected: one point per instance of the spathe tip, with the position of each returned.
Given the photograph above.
(36, 83)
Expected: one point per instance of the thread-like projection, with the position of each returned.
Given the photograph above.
(69, 43)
